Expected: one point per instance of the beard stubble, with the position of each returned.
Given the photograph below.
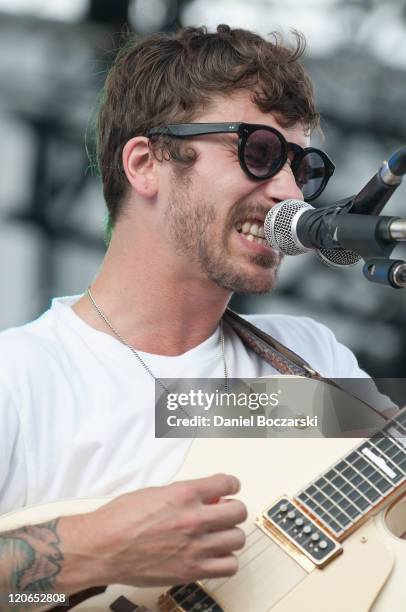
(192, 224)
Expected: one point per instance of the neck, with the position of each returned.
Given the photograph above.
(156, 304)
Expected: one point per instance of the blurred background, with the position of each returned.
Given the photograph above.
(53, 60)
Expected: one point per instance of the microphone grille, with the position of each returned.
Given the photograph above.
(338, 257)
(280, 226)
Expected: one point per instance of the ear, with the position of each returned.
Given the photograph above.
(141, 166)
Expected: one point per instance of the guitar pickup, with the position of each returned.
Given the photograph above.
(286, 523)
(186, 598)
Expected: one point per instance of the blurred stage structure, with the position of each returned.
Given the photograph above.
(52, 66)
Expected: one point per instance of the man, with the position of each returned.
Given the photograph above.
(187, 205)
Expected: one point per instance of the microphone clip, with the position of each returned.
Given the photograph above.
(390, 272)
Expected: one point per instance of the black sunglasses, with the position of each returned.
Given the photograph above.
(263, 151)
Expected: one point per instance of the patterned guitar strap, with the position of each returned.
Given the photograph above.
(277, 355)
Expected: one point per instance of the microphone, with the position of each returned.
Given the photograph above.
(369, 201)
(285, 221)
(295, 227)
(280, 227)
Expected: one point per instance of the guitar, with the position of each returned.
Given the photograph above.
(335, 545)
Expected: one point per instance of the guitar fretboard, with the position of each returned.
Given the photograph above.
(361, 480)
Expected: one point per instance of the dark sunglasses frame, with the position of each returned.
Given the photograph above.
(244, 130)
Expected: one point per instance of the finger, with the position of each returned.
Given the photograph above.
(223, 516)
(222, 543)
(219, 567)
(220, 500)
(213, 487)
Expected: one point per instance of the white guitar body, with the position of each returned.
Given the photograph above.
(369, 575)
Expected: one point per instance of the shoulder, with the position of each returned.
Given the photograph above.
(313, 341)
(29, 350)
(25, 341)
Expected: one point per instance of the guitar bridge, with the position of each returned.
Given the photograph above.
(289, 526)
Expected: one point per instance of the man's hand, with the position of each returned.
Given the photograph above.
(165, 535)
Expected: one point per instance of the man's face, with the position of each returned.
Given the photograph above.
(215, 212)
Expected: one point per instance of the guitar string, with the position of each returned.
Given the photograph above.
(239, 555)
(205, 581)
(269, 544)
(190, 594)
(198, 606)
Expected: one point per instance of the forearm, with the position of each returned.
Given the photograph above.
(151, 537)
(53, 557)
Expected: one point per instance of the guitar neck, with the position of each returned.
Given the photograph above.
(365, 477)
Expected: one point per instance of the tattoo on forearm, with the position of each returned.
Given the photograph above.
(30, 558)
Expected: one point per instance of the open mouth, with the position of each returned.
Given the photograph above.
(252, 230)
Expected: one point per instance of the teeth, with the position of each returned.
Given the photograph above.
(256, 239)
(256, 228)
(254, 232)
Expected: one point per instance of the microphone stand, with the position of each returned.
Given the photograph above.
(376, 249)
(390, 272)
(375, 240)
(387, 271)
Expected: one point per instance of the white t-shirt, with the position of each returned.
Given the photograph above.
(77, 408)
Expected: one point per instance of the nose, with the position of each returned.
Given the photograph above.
(282, 186)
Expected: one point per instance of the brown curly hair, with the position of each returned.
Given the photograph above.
(171, 77)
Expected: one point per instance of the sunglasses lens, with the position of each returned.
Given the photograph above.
(310, 174)
(263, 152)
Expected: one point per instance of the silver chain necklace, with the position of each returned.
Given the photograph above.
(138, 356)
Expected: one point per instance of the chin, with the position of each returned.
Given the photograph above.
(260, 279)
(257, 281)
(255, 287)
